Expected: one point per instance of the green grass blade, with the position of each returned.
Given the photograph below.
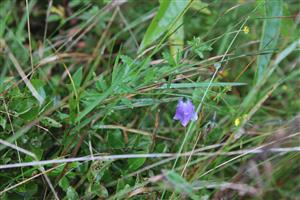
(197, 84)
(250, 99)
(168, 12)
(176, 40)
(270, 35)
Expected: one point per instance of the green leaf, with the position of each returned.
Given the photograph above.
(127, 102)
(176, 39)
(77, 77)
(28, 190)
(99, 190)
(115, 139)
(199, 47)
(31, 113)
(49, 122)
(3, 122)
(72, 194)
(5, 16)
(97, 170)
(135, 163)
(200, 7)
(101, 83)
(270, 35)
(64, 183)
(39, 86)
(169, 11)
(95, 103)
(180, 184)
(72, 109)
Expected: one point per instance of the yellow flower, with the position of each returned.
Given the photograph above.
(246, 29)
(237, 121)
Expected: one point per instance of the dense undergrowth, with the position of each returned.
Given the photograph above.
(89, 90)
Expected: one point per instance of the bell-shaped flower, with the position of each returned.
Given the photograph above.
(185, 112)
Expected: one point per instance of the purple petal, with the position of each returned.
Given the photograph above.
(185, 111)
(184, 121)
(177, 117)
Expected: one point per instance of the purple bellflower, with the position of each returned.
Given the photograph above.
(185, 111)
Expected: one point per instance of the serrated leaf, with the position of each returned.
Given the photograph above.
(199, 47)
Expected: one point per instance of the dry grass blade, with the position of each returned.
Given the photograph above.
(240, 154)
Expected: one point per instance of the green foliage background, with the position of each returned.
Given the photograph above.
(87, 79)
